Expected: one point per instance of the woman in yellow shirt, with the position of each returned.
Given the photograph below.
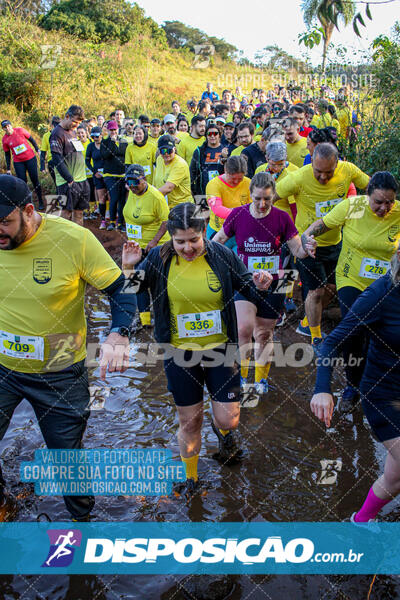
(141, 152)
(192, 281)
(371, 235)
(226, 192)
(146, 214)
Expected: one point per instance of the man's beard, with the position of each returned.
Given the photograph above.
(18, 238)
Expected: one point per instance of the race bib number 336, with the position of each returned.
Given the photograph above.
(199, 324)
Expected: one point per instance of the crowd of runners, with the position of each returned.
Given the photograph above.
(228, 210)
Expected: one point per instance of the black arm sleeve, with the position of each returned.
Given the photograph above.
(8, 159)
(194, 173)
(88, 158)
(59, 164)
(34, 144)
(123, 305)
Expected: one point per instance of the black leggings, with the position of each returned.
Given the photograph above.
(355, 347)
(31, 166)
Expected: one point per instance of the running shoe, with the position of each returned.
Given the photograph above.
(317, 345)
(262, 386)
(84, 519)
(121, 227)
(290, 305)
(348, 399)
(187, 488)
(303, 330)
(358, 522)
(103, 225)
(111, 226)
(243, 382)
(281, 320)
(229, 445)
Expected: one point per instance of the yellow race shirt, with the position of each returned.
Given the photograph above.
(188, 145)
(344, 118)
(153, 141)
(314, 200)
(369, 241)
(282, 203)
(322, 121)
(297, 152)
(42, 317)
(195, 301)
(45, 147)
(88, 171)
(142, 155)
(144, 214)
(237, 151)
(231, 197)
(177, 172)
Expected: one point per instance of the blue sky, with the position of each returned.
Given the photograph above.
(270, 22)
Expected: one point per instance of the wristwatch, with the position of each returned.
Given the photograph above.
(124, 331)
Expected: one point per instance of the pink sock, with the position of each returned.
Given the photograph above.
(370, 508)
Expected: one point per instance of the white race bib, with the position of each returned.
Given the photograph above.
(323, 208)
(373, 269)
(212, 174)
(203, 324)
(77, 144)
(263, 263)
(147, 170)
(20, 149)
(21, 346)
(134, 232)
(100, 171)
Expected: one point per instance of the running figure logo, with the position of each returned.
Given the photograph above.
(62, 547)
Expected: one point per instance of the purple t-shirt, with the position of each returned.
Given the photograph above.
(260, 240)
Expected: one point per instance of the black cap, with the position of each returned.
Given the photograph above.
(95, 130)
(166, 141)
(5, 122)
(134, 172)
(155, 122)
(14, 193)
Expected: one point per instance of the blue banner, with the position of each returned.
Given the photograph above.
(199, 548)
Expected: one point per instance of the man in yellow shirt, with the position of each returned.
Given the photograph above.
(245, 135)
(43, 324)
(317, 188)
(196, 138)
(296, 145)
(171, 175)
(155, 131)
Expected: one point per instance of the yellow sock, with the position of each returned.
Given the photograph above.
(107, 205)
(315, 332)
(262, 372)
(289, 294)
(191, 466)
(224, 431)
(304, 322)
(244, 367)
(145, 318)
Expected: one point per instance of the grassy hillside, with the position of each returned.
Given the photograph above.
(139, 76)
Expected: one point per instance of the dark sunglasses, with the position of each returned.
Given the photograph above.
(213, 133)
(135, 182)
(166, 150)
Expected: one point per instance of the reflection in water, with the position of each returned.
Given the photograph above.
(277, 481)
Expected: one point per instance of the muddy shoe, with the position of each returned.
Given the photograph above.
(188, 488)
(348, 400)
(230, 451)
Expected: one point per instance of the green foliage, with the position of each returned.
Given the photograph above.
(180, 36)
(99, 21)
(312, 38)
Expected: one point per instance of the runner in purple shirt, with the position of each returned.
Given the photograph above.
(260, 229)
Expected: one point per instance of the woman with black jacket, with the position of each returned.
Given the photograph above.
(376, 311)
(112, 151)
(192, 282)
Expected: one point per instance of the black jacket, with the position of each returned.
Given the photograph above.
(113, 156)
(230, 271)
(199, 169)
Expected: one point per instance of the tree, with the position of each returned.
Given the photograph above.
(180, 35)
(99, 21)
(329, 13)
